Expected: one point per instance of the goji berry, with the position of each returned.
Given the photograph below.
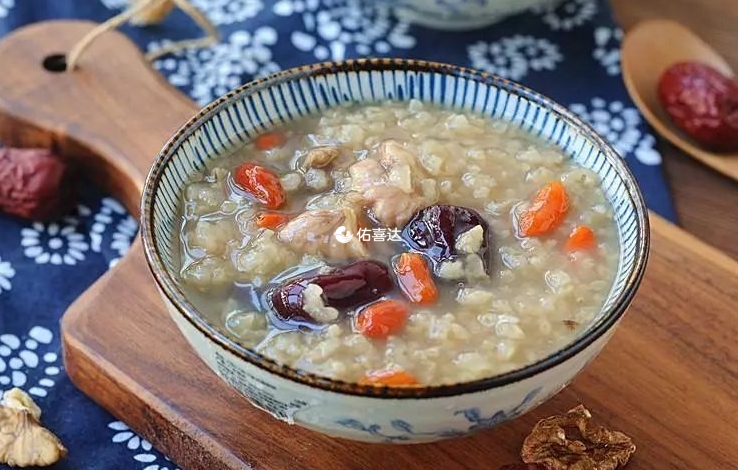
(261, 183)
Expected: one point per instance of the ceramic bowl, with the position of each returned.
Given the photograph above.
(365, 413)
(459, 15)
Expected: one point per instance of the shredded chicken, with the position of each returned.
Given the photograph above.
(387, 185)
(313, 232)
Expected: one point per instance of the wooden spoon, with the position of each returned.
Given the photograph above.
(647, 50)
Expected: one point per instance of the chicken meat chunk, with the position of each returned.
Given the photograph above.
(387, 185)
(393, 207)
(314, 232)
(393, 153)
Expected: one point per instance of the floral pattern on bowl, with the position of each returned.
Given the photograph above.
(405, 431)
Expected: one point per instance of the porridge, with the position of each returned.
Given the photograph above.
(398, 244)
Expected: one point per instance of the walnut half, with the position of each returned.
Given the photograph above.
(24, 442)
(574, 442)
(523, 466)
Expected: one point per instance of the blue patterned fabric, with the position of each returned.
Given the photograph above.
(569, 53)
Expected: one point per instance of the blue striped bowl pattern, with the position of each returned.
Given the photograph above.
(254, 108)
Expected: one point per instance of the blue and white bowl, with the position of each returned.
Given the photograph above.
(366, 413)
(460, 15)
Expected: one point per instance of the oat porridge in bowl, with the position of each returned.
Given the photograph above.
(393, 251)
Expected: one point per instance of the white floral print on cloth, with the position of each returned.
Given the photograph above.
(208, 73)
(222, 12)
(607, 48)
(331, 27)
(55, 242)
(109, 209)
(112, 213)
(620, 125)
(6, 274)
(123, 236)
(569, 14)
(514, 57)
(29, 362)
(5, 7)
(141, 448)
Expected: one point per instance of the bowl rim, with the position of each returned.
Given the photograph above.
(184, 308)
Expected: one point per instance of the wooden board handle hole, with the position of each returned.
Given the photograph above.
(55, 63)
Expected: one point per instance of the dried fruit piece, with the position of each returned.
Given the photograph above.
(382, 319)
(261, 183)
(548, 210)
(389, 378)
(34, 184)
(703, 103)
(342, 289)
(269, 141)
(24, 442)
(582, 238)
(356, 284)
(524, 466)
(435, 229)
(272, 220)
(415, 279)
(574, 441)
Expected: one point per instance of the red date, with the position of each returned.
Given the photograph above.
(34, 184)
(433, 231)
(703, 103)
(343, 289)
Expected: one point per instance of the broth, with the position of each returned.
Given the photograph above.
(484, 248)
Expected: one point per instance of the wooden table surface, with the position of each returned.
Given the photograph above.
(706, 202)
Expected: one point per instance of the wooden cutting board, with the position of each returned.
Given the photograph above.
(668, 378)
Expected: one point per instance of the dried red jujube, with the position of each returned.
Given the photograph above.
(703, 103)
(343, 288)
(434, 230)
(34, 184)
